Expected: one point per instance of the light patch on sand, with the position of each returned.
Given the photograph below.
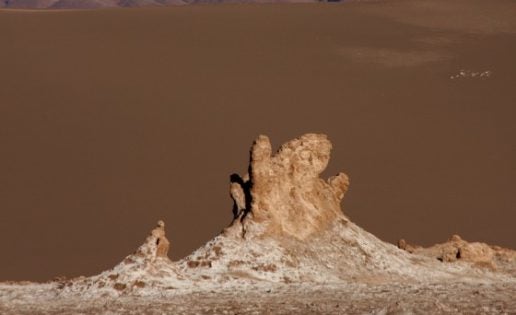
(497, 17)
(392, 57)
(469, 74)
(437, 40)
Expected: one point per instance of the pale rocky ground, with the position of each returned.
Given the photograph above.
(290, 249)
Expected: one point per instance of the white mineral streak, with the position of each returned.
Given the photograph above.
(469, 74)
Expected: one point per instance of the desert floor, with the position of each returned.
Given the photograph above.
(352, 298)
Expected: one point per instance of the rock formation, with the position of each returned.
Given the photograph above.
(284, 191)
(288, 229)
(156, 245)
(456, 249)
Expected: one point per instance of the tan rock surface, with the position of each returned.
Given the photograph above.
(156, 244)
(285, 189)
(477, 253)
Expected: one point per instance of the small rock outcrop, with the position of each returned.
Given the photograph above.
(283, 191)
(156, 244)
(457, 249)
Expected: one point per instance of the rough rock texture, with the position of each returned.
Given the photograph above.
(284, 190)
(476, 253)
(156, 245)
(288, 236)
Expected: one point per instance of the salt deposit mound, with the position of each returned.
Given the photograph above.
(287, 227)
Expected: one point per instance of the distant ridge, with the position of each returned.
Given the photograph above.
(93, 4)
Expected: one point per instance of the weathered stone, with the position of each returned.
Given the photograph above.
(285, 191)
(156, 244)
(457, 249)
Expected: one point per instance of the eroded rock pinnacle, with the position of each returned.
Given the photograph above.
(156, 244)
(284, 191)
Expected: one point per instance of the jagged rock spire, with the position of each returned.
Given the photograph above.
(156, 245)
(284, 191)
